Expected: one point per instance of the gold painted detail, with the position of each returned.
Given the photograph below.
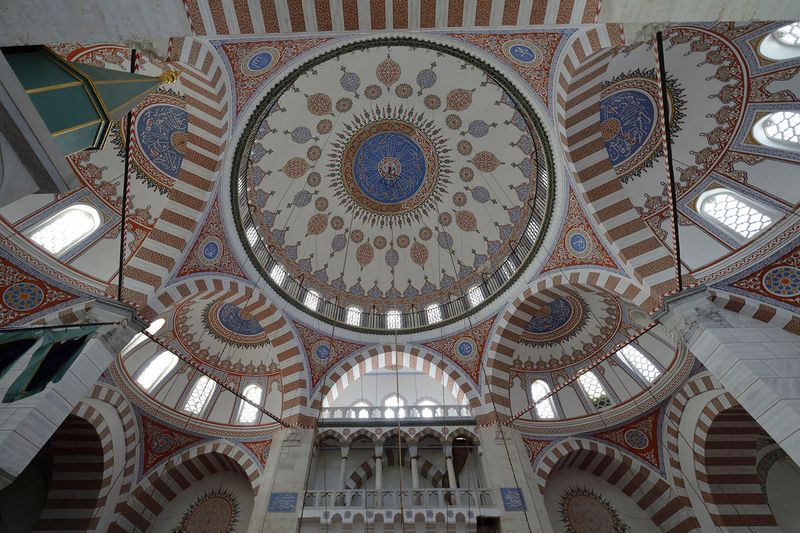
(169, 76)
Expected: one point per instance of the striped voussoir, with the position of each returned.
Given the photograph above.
(83, 461)
(696, 385)
(512, 320)
(164, 483)
(427, 470)
(578, 95)
(110, 395)
(287, 349)
(204, 86)
(209, 17)
(418, 358)
(725, 453)
(768, 314)
(643, 484)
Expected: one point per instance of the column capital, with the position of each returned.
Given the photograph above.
(345, 450)
(447, 448)
(412, 449)
(688, 312)
(379, 448)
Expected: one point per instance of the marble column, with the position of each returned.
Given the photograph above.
(378, 465)
(343, 466)
(758, 364)
(448, 459)
(412, 451)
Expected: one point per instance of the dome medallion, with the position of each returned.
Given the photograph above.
(392, 174)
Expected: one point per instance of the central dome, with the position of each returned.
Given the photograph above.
(392, 174)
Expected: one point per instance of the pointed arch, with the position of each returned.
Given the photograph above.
(438, 367)
(643, 484)
(499, 352)
(164, 483)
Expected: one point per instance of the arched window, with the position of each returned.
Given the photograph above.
(594, 390)
(248, 413)
(201, 392)
(429, 412)
(789, 34)
(475, 295)
(156, 370)
(363, 412)
(783, 43)
(395, 405)
(67, 228)
(783, 128)
(353, 316)
(532, 230)
(394, 319)
(730, 210)
(433, 313)
(545, 408)
(278, 274)
(311, 300)
(640, 363)
(154, 327)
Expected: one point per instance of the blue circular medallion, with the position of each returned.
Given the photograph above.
(783, 281)
(260, 61)
(465, 349)
(389, 167)
(559, 314)
(322, 352)
(578, 243)
(210, 250)
(521, 52)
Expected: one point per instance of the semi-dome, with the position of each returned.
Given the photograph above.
(392, 183)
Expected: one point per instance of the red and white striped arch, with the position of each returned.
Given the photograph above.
(164, 483)
(726, 454)
(204, 85)
(642, 484)
(216, 17)
(510, 323)
(287, 348)
(347, 371)
(578, 89)
(774, 316)
(697, 384)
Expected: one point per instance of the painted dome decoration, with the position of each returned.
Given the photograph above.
(393, 174)
(629, 120)
(160, 132)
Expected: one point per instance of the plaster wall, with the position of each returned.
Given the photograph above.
(564, 480)
(783, 480)
(170, 518)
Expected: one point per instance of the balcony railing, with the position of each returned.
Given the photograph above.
(407, 414)
(392, 499)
